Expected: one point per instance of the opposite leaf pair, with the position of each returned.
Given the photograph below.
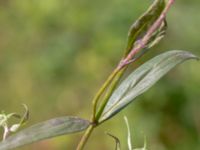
(134, 85)
(150, 28)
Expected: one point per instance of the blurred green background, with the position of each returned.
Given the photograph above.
(55, 54)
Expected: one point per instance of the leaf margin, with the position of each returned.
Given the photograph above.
(111, 113)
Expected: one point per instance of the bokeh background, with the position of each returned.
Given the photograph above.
(55, 54)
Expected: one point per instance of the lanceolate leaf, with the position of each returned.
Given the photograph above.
(140, 27)
(142, 79)
(44, 130)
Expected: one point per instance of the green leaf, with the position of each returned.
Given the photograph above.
(158, 35)
(142, 79)
(44, 130)
(141, 26)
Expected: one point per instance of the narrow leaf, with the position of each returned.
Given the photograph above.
(141, 26)
(142, 79)
(44, 130)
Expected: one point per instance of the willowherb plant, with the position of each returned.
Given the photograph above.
(114, 95)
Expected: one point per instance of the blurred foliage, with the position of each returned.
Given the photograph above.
(55, 54)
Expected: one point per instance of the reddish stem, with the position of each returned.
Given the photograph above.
(147, 36)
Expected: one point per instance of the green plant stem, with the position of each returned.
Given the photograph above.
(85, 137)
(101, 91)
(109, 93)
(124, 63)
(128, 58)
(113, 79)
(117, 74)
